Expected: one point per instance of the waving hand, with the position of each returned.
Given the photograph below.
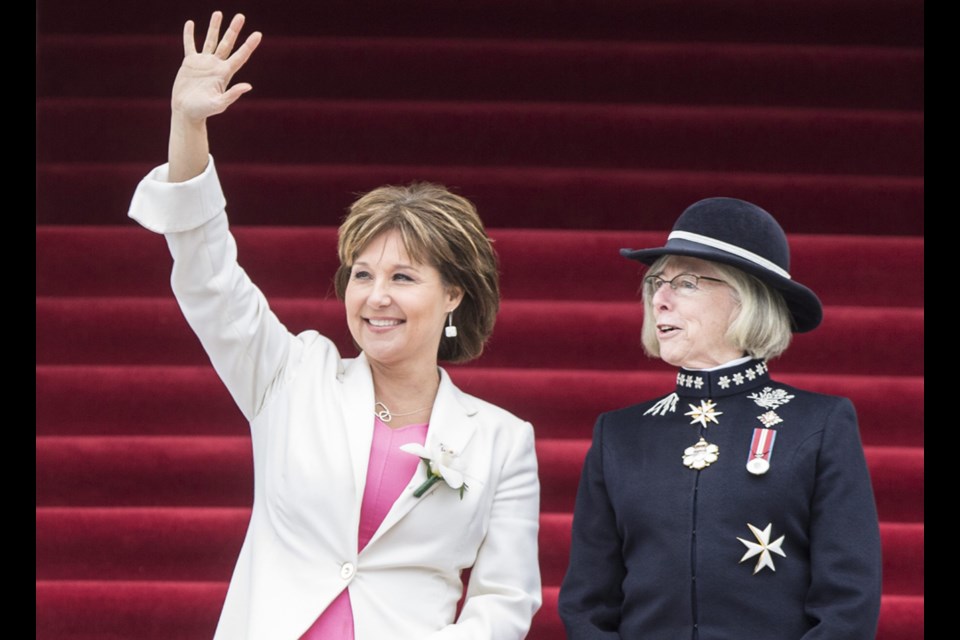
(202, 89)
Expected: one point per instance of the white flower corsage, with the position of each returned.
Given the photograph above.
(440, 466)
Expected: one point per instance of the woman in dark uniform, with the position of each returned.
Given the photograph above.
(735, 507)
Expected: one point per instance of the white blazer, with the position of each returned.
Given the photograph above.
(311, 421)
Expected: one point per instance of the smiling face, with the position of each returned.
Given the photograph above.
(691, 329)
(396, 308)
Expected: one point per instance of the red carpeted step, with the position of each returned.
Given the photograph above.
(123, 610)
(901, 618)
(139, 543)
(144, 471)
(191, 400)
(893, 22)
(846, 270)
(175, 544)
(217, 471)
(774, 140)
(903, 558)
(689, 73)
(507, 197)
(134, 400)
(530, 334)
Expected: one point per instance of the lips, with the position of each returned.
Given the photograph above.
(666, 328)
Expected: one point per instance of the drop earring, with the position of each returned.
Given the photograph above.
(450, 331)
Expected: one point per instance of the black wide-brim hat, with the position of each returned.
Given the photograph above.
(742, 235)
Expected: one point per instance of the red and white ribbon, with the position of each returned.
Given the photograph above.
(758, 462)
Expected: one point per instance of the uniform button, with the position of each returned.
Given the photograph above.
(347, 569)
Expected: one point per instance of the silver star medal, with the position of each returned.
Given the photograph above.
(702, 454)
(763, 549)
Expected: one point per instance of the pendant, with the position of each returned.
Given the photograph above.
(384, 413)
(701, 455)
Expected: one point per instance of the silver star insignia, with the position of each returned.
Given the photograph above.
(705, 413)
(764, 548)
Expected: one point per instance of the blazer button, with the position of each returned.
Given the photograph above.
(347, 569)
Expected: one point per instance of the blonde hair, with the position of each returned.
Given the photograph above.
(441, 229)
(761, 327)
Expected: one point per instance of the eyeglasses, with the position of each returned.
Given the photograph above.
(685, 284)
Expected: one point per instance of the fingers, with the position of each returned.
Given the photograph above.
(240, 57)
(213, 32)
(230, 36)
(222, 48)
(213, 44)
(233, 94)
(189, 46)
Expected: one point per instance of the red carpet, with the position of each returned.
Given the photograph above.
(576, 129)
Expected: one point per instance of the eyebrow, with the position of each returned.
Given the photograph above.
(396, 267)
(681, 273)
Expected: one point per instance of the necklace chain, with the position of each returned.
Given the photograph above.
(386, 415)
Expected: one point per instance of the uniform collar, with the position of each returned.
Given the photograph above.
(722, 382)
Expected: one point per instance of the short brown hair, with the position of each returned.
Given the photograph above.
(439, 228)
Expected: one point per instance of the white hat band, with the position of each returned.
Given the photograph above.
(729, 248)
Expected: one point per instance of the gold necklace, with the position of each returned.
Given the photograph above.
(386, 415)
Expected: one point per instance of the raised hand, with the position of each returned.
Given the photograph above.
(202, 89)
(202, 86)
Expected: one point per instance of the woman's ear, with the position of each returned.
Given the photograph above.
(455, 296)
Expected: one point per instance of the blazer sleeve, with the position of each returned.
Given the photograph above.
(245, 341)
(504, 591)
(845, 551)
(591, 595)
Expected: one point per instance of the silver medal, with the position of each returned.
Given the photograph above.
(758, 466)
(761, 448)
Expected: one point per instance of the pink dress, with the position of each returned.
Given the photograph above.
(388, 473)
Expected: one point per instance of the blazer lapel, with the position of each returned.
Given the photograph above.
(358, 421)
(450, 424)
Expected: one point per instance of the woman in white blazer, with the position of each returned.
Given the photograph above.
(378, 483)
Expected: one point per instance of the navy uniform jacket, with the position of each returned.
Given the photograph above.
(658, 548)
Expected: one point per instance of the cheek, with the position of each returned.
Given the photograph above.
(719, 323)
(733, 310)
(351, 303)
(716, 325)
(351, 293)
